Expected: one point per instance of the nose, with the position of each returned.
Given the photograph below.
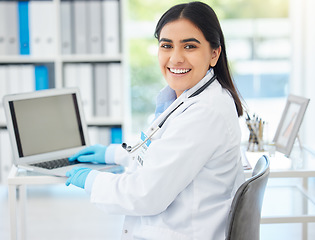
(177, 56)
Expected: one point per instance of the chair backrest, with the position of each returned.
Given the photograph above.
(245, 213)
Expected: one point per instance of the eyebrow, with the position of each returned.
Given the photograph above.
(182, 41)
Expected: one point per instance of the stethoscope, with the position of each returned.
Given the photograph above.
(140, 144)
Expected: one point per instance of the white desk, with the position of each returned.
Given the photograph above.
(301, 166)
(300, 205)
(17, 181)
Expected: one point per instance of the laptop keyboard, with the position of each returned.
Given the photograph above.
(55, 163)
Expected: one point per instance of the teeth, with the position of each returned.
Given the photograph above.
(178, 71)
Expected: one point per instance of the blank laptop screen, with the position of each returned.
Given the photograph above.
(46, 124)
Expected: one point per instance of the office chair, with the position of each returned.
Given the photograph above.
(245, 213)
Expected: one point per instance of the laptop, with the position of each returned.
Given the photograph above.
(45, 128)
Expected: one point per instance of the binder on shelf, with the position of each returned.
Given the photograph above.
(36, 25)
(115, 90)
(116, 135)
(94, 28)
(80, 75)
(12, 28)
(93, 135)
(111, 30)
(27, 73)
(3, 90)
(13, 80)
(42, 28)
(3, 33)
(80, 27)
(105, 135)
(51, 74)
(23, 28)
(66, 26)
(99, 135)
(85, 85)
(41, 77)
(6, 155)
(70, 75)
(101, 108)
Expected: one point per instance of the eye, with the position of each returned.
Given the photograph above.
(190, 46)
(166, 46)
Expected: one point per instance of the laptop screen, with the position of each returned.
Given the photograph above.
(46, 124)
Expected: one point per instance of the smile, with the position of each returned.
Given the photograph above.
(179, 71)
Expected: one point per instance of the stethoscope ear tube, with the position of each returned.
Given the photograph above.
(203, 87)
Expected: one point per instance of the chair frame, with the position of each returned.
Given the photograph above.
(238, 227)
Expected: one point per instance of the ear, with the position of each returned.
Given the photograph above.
(215, 54)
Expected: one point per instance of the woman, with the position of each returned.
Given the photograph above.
(180, 183)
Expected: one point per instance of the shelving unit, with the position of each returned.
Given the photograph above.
(57, 60)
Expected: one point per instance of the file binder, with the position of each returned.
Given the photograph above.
(80, 27)
(3, 33)
(24, 28)
(101, 90)
(111, 30)
(27, 73)
(42, 28)
(6, 155)
(12, 28)
(3, 90)
(66, 27)
(115, 90)
(13, 79)
(80, 75)
(41, 78)
(116, 135)
(94, 17)
(85, 85)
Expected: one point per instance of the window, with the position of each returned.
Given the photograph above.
(258, 46)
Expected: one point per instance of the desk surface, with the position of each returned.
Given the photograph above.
(23, 177)
(300, 163)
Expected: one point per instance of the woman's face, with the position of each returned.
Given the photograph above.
(184, 55)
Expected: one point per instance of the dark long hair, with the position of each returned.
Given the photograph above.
(206, 20)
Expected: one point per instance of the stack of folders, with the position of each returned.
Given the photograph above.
(90, 27)
(17, 78)
(28, 28)
(101, 88)
(87, 27)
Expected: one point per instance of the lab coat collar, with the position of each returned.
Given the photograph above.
(167, 95)
(169, 106)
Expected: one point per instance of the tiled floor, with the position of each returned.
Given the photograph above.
(59, 212)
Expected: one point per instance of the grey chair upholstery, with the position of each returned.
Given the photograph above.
(245, 213)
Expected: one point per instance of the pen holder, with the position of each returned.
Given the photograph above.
(255, 141)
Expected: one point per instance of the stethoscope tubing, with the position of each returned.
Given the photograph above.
(140, 144)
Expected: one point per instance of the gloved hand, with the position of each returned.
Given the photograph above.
(95, 153)
(77, 176)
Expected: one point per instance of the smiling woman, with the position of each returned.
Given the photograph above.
(184, 171)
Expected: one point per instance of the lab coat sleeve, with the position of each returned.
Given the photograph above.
(198, 135)
(115, 154)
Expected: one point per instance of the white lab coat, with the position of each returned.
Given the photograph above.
(190, 173)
